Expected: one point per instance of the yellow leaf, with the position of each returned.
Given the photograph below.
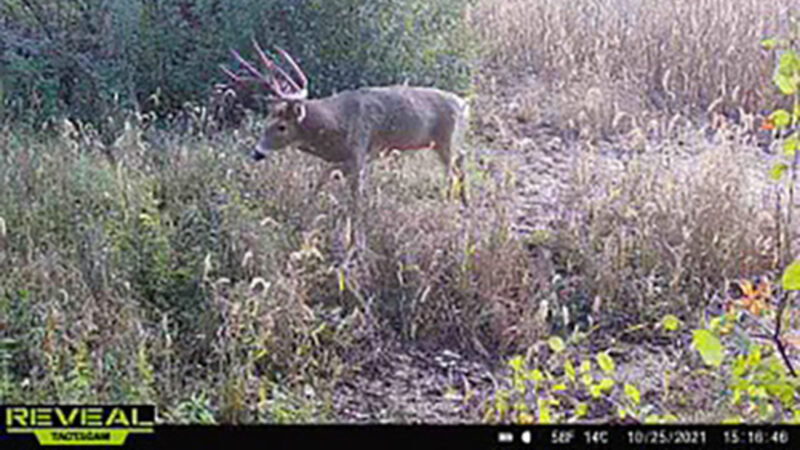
(605, 362)
(633, 393)
(341, 280)
(569, 369)
(544, 411)
(525, 418)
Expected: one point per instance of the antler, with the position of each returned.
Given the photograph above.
(298, 90)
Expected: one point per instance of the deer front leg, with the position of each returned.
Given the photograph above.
(355, 167)
(450, 178)
(325, 177)
(356, 177)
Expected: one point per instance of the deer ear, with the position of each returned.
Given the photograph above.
(299, 110)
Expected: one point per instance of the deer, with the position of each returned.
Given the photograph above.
(352, 127)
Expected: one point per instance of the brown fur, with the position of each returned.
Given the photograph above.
(351, 127)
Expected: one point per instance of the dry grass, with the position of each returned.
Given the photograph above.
(643, 58)
(168, 268)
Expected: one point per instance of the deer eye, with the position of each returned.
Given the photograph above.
(281, 128)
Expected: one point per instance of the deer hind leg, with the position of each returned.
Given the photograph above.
(445, 156)
(454, 173)
(457, 141)
(461, 168)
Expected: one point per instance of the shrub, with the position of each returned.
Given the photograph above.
(88, 60)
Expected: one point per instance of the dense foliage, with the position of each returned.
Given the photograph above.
(86, 59)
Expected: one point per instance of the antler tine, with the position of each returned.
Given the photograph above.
(275, 68)
(295, 91)
(298, 71)
(231, 75)
(249, 67)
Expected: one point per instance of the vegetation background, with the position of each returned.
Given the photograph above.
(617, 166)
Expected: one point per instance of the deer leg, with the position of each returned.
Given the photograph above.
(356, 175)
(461, 167)
(325, 177)
(447, 160)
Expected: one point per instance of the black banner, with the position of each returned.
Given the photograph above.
(28, 426)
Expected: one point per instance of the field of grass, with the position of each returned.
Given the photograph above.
(618, 176)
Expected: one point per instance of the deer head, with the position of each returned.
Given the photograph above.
(287, 109)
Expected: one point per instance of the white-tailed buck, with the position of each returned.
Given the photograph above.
(349, 128)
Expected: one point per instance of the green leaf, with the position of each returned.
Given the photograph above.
(709, 347)
(560, 387)
(587, 379)
(754, 357)
(544, 412)
(516, 363)
(586, 366)
(739, 366)
(569, 369)
(791, 144)
(633, 393)
(780, 118)
(777, 171)
(769, 44)
(670, 322)
(606, 362)
(785, 84)
(788, 63)
(716, 323)
(581, 410)
(556, 344)
(791, 277)
(606, 384)
(536, 375)
(652, 418)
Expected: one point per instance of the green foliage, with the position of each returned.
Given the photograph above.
(606, 362)
(709, 347)
(670, 322)
(196, 410)
(791, 277)
(593, 391)
(89, 60)
(556, 344)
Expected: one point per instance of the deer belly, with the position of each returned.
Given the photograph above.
(432, 145)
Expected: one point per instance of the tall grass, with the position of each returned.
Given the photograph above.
(164, 269)
(643, 58)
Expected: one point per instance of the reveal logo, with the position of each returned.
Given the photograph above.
(79, 424)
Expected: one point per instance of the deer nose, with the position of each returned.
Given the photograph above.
(257, 155)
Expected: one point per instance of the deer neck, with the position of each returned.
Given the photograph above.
(319, 131)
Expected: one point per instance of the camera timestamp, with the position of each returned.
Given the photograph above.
(666, 436)
(755, 436)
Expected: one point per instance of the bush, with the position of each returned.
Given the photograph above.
(87, 60)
